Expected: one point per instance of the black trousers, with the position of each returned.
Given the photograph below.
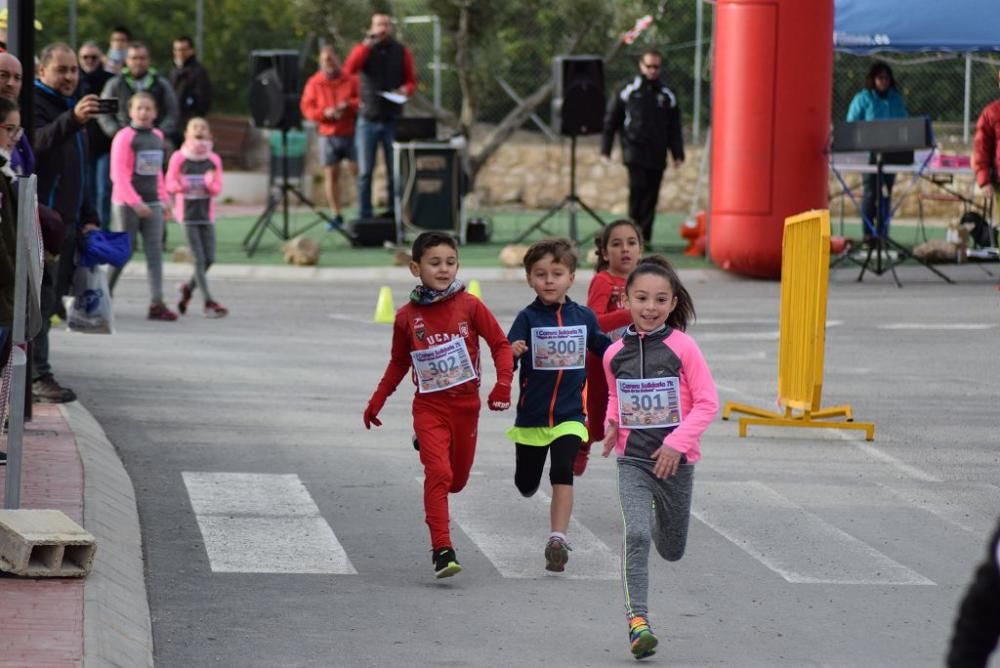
(869, 199)
(643, 192)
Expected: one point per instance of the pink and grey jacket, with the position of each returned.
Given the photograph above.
(137, 166)
(194, 180)
(665, 353)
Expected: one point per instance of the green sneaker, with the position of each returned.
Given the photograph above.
(641, 638)
(445, 563)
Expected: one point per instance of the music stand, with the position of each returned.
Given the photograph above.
(886, 139)
(572, 200)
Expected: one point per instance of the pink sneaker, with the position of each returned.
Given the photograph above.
(185, 292)
(159, 311)
(215, 310)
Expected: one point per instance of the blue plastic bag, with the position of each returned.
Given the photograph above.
(101, 247)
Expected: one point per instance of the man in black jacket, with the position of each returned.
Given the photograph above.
(93, 76)
(191, 85)
(647, 115)
(60, 145)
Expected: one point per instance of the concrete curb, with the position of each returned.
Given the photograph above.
(117, 630)
(180, 271)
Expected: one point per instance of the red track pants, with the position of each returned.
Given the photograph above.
(446, 428)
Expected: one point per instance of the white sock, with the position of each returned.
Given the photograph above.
(558, 534)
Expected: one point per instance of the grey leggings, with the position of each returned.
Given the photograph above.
(201, 236)
(124, 219)
(664, 524)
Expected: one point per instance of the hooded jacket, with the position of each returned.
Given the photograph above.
(550, 397)
(665, 353)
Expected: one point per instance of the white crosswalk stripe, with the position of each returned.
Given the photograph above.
(268, 523)
(791, 541)
(512, 533)
(263, 523)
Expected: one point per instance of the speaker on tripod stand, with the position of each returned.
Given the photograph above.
(577, 110)
(275, 89)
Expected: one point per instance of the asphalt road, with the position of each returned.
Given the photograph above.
(278, 532)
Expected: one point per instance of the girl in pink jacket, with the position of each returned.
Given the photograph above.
(139, 200)
(661, 399)
(194, 177)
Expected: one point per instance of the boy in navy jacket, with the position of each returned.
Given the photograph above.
(551, 336)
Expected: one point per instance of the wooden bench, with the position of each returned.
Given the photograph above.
(231, 138)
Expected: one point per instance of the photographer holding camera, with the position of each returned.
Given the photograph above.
(388, 76)
(61, 152)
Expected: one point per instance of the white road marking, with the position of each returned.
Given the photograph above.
(856, 439)
(938, 326)
(791, 541)
(969, 507)
(512, 533)
(263, 523)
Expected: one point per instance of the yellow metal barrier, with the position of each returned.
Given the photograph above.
(805, 272)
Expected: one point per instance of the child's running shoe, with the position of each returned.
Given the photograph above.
(215, 310)
(556, 554)
(159, 311)
(185, 292)
(641, 638)
(445, 563)
(582, 456)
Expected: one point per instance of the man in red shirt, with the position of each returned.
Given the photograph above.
(330, 99)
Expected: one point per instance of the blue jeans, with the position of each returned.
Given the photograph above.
(98, 183)
(367, 136)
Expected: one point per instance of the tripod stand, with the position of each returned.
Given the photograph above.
(280, 194)
(880, 242)
(897, 137)
(571, 200)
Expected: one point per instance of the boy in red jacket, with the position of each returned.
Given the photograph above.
(437, 333)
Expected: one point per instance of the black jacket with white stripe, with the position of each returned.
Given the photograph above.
(647, 115)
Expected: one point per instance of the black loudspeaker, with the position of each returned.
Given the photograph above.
(430, 183)
(373, 231)
(578, 98)
(275, 87)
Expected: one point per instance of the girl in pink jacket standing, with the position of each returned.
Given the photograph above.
(194, 177)
(139, 199)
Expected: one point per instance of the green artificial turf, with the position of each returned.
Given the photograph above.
(335, 251)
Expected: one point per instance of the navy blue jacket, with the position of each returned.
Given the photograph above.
(551, 397)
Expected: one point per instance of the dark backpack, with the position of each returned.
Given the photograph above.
(979, 229)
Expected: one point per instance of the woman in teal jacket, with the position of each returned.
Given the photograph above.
(878, 100)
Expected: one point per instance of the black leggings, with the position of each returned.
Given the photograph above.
(531, 462)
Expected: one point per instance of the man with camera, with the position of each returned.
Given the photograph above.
(388, 76)
(60, 145)
(647, 115)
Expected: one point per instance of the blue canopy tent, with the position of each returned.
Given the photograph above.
(865, 26)
(957, 26)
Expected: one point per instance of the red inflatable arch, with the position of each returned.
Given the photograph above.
(771, 96)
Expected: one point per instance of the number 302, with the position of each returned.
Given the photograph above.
(445, 365)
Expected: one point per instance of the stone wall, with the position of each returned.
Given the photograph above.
(532, 172)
